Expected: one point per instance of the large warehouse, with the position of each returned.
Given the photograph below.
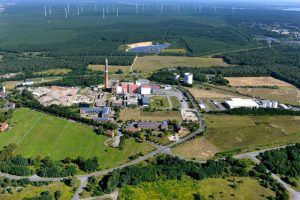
(241, 103)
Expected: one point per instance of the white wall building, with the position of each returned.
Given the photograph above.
(188, 78)
(241, 103)
(145, 90)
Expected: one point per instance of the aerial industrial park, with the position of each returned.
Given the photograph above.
(149, 100)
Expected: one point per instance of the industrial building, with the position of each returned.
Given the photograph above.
(188, 78)
(241, 103)
(268, 104)
(145, 101)
(96, 112)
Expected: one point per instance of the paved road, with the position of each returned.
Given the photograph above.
(83, 184)
(253, 156)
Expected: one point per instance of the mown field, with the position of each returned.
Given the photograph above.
(247, 188)
(148, 64)
(237, 134)
(40, 134)
(159, 102)
(33, 191)
(137, 114)
(256, 81)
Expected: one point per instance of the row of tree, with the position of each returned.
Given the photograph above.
(18, 165)
(165, 167)
(26, 99)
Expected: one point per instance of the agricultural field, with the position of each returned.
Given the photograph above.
(206, 92)
(137, 114)
(112, 68)
(12, 84)
(41, 134)
(148, 64)
(256, 81)
(238, 134)
(287, 95)
(187, 188)
(159, 102)
(283, 93)
(33, 191)
(54, 72)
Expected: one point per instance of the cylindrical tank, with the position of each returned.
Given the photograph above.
(188, 78)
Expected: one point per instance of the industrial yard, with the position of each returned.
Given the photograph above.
(62, 95)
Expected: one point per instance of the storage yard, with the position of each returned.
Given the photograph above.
(62, 95)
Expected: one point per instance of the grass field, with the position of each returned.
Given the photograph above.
(238, 134)
(112, 68)
(137, 114)
(54, 71)
(203, 92)
(257, 81)
(175, 102)
(37, 133)
(148, 64)
(12, 84)
(32, 191)
(247, 189)
(159, 102)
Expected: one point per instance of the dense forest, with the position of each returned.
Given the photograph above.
(165, 167)
(283, 161)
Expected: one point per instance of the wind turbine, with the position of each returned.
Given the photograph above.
(66, 13)
(68, 9)
(45, 9)
(103, 13)
(117, 12)
(50, 10)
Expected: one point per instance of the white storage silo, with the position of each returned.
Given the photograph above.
(188, 78)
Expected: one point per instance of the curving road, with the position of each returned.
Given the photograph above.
(159, 149)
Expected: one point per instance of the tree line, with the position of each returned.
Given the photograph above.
(44, 167)
(165, 167)
(26, 99)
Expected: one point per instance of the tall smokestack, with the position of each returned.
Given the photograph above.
(106, 74)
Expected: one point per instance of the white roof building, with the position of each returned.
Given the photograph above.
(241, 103)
